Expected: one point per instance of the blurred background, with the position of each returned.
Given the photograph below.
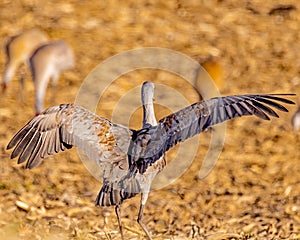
(247, 46)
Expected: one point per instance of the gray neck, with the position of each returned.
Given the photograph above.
(147, 101)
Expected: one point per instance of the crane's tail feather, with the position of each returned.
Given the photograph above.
(110, 195)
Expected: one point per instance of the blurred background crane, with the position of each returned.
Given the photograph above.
(47, 62)
(18, 50)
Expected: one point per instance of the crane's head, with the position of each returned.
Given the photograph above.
(147, 93)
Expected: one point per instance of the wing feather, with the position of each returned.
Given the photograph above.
(33, 159)
(264, 108)
(29, 148)
(276, 105)
(20, 134)
(56, 141)
(22, 144)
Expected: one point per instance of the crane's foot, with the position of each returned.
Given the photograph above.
(118, 213)
(142, 224)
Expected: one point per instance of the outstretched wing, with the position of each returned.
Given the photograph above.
(150, 144)
(61, 127)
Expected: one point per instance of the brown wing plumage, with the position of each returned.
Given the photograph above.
(150, 144)
(61, 127)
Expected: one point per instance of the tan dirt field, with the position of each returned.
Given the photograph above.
(251, 193)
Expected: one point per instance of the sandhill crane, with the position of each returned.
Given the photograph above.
(18, 49)
(48, 61)
(296, 120)
(146, 179)
(126, 155)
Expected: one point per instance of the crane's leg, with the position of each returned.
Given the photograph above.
(22, 86)
(55, 77)
(118, 213)
(8, 74)
(140, 216)
(40, 84)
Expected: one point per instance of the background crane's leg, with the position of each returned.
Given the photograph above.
(55, 77)
(39, 99)
(8, 74)
(140, 216)
(22, 86)
(118, 213)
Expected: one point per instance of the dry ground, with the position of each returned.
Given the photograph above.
(252, 193)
